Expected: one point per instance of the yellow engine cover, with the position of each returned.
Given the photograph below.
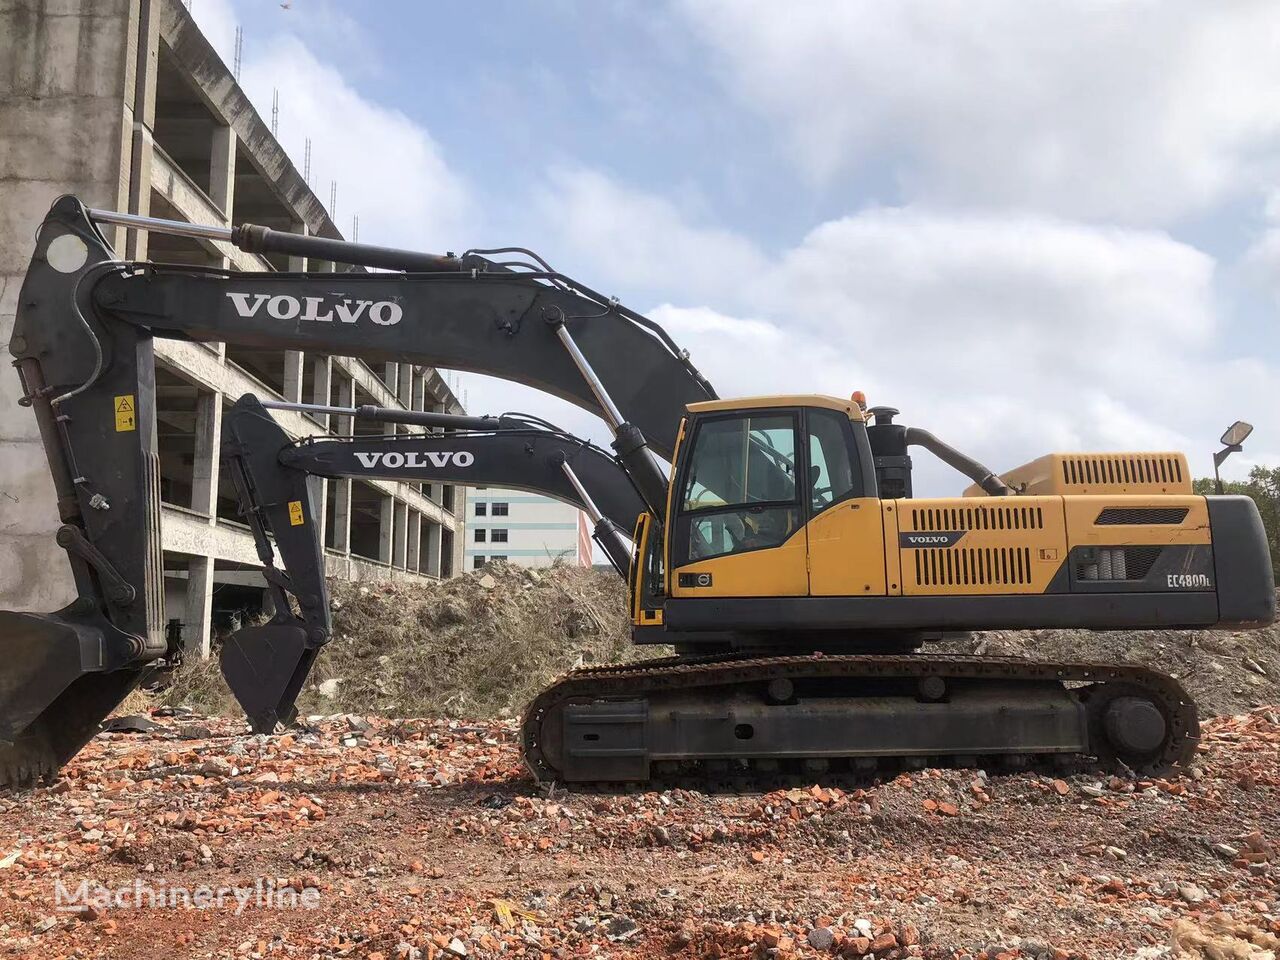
(1098, 473)
(960, 546)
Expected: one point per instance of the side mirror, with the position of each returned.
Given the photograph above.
(1237, 433)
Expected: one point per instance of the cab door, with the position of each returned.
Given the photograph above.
(845, 531)
(645, 579)
(738, 526)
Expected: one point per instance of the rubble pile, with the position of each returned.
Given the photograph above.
(477, 645)
(426, 839)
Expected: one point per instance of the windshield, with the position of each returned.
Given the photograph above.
(742, 460)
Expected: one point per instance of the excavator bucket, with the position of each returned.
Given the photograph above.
(56, 688)
(265, 666)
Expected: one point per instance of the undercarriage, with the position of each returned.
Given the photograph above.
(738, 721)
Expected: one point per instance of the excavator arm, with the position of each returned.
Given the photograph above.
(82, 344)
(265, 666)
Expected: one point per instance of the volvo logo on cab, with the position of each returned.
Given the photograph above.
(281, 306)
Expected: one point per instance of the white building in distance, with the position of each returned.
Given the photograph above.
(525, 529)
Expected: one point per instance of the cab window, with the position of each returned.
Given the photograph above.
(830, 459)
(740, 491)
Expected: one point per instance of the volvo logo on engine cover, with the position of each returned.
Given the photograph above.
(934, 538)
(281, 306)
(414, 459)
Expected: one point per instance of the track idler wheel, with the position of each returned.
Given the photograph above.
(1129, 727)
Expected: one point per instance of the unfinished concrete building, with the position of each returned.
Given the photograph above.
(125, 104)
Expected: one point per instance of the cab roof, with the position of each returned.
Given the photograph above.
(847, 407)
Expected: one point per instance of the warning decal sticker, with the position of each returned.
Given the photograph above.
(126, 413)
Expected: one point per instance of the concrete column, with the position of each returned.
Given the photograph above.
(146, 71)
(222, 187)
(431, 562)
(391, 376)
(341, 491)
(459, 539)
(322, 382)
(413, 541)
(419, 397)
(298, 264)
(140, 190)
(386, 529)
(293, 360)
(404, 388)
(208, 441)
(400, 542)
(197, 623)
(321, 385)
(222, 170)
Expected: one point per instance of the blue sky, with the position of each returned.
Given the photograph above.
(1031, 227)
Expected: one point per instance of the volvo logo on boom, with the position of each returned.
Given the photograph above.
(395, 460)
(281, 306)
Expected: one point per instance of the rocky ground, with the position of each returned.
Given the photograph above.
(425, 839)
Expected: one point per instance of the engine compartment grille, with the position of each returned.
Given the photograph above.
(1132, 516)
(977, 518)
(1126, 469)
(973, 566)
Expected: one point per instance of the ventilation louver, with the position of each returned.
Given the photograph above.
(973, 566)
(1135, 516)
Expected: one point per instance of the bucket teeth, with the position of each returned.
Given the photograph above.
(26, 764)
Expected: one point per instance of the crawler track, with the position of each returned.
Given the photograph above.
(1092, 685)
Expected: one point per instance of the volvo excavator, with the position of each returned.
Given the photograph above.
(782, 554)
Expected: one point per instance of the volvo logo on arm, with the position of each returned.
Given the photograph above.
(933, 538)
(384, 313)
(414, 459)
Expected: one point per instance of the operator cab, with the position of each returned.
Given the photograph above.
(766, 493)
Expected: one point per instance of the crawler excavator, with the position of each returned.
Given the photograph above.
(783, 554)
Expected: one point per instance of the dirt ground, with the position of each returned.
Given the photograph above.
(425, 839)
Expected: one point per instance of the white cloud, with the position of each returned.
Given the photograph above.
(1262, 260)
(1008, 335)
(1135, 111)
(388, 168)
(640, 238)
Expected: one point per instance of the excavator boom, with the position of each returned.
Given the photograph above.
(82, 346)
